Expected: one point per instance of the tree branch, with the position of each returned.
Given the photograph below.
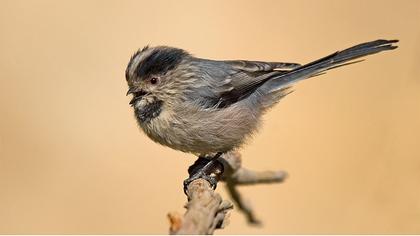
(206, 211)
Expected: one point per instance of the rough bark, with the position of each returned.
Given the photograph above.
(206, 211)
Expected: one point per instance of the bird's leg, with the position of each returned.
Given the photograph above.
(208, 169)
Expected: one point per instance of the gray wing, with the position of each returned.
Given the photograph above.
(260, 66)
(231, 81)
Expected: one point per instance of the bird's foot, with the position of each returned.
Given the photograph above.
(208, 169)
(200, 175)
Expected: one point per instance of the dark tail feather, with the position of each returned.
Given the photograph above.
(318, 67)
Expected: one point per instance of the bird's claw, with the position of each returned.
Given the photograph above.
(200, 175)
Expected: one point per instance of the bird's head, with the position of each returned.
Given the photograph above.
(150, 75)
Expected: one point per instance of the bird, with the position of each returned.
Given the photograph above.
(210, 107)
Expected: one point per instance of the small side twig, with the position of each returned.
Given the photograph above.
(235, 175)
(206, 211)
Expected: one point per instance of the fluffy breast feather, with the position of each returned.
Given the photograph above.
(193, 130)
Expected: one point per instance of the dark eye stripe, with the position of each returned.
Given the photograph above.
(160, 61)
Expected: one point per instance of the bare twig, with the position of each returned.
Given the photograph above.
(248, 177)
(206, 211)
(235, 175)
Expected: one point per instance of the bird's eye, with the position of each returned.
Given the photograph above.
(153, 80)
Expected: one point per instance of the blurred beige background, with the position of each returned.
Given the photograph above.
(72, 159)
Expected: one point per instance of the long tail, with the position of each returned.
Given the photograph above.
(338, 59)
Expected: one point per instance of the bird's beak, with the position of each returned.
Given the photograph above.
(131, 91)
(137, 94)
